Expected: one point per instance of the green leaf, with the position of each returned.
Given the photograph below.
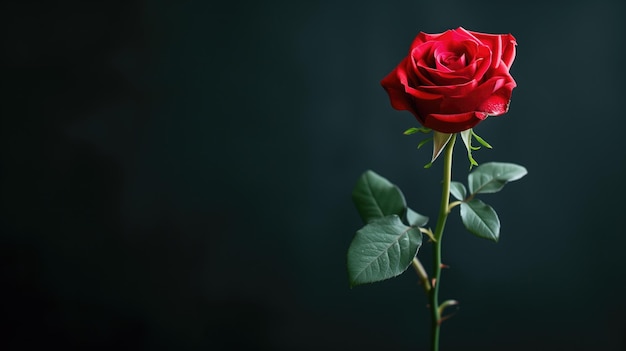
(472, 161)
(414, 130)
(423, 142)
(410, 131)
(375, 197)
(481, 140)
(491, 177)
(415, 219)
(480, 219)
(382, 249)
(457, 190)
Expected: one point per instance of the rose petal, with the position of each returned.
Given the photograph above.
(450, 90)
(423, 52)
(502, 45)
(396, 90)
(483, 63)
(423, 76)
(464, 32)
(498, 103)
(418, 64)
(423, 38)
(457, 48)
(404, 97)
(450, 34)
(473, 99)
(508, 50)
(404, 79)
(440, 78)
(456, 35)
(476, 59)
(453, 123)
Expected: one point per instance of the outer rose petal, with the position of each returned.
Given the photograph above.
(498, 103)
(404, 97)
(402, 75)
(502, 45)
(508, 50)
(453, 123)
(458, 34)
(398, 97)
(424, 37)
(470, 101)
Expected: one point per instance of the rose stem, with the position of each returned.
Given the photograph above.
(441, 222)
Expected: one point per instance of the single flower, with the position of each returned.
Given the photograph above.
(452, 81)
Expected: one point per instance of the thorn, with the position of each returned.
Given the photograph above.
(444, 266)
(433, 282)
(446, 317)
(443, 306)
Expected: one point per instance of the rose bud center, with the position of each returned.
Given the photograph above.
(451, 60)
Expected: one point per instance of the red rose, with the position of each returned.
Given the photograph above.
(453, 80)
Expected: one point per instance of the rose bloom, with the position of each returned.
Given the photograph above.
(453, 80)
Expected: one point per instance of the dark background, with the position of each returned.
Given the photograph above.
(177, 175)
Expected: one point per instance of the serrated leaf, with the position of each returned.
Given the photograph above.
(375, 197)
(415, 219)
(457, 190)
(480, 219)
(382, 249)
(491, 177)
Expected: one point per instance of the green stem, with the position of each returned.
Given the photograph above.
(441, 223)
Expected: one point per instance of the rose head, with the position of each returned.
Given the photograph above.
(453, 80)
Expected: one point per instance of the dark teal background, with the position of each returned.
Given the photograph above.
(177, 176)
